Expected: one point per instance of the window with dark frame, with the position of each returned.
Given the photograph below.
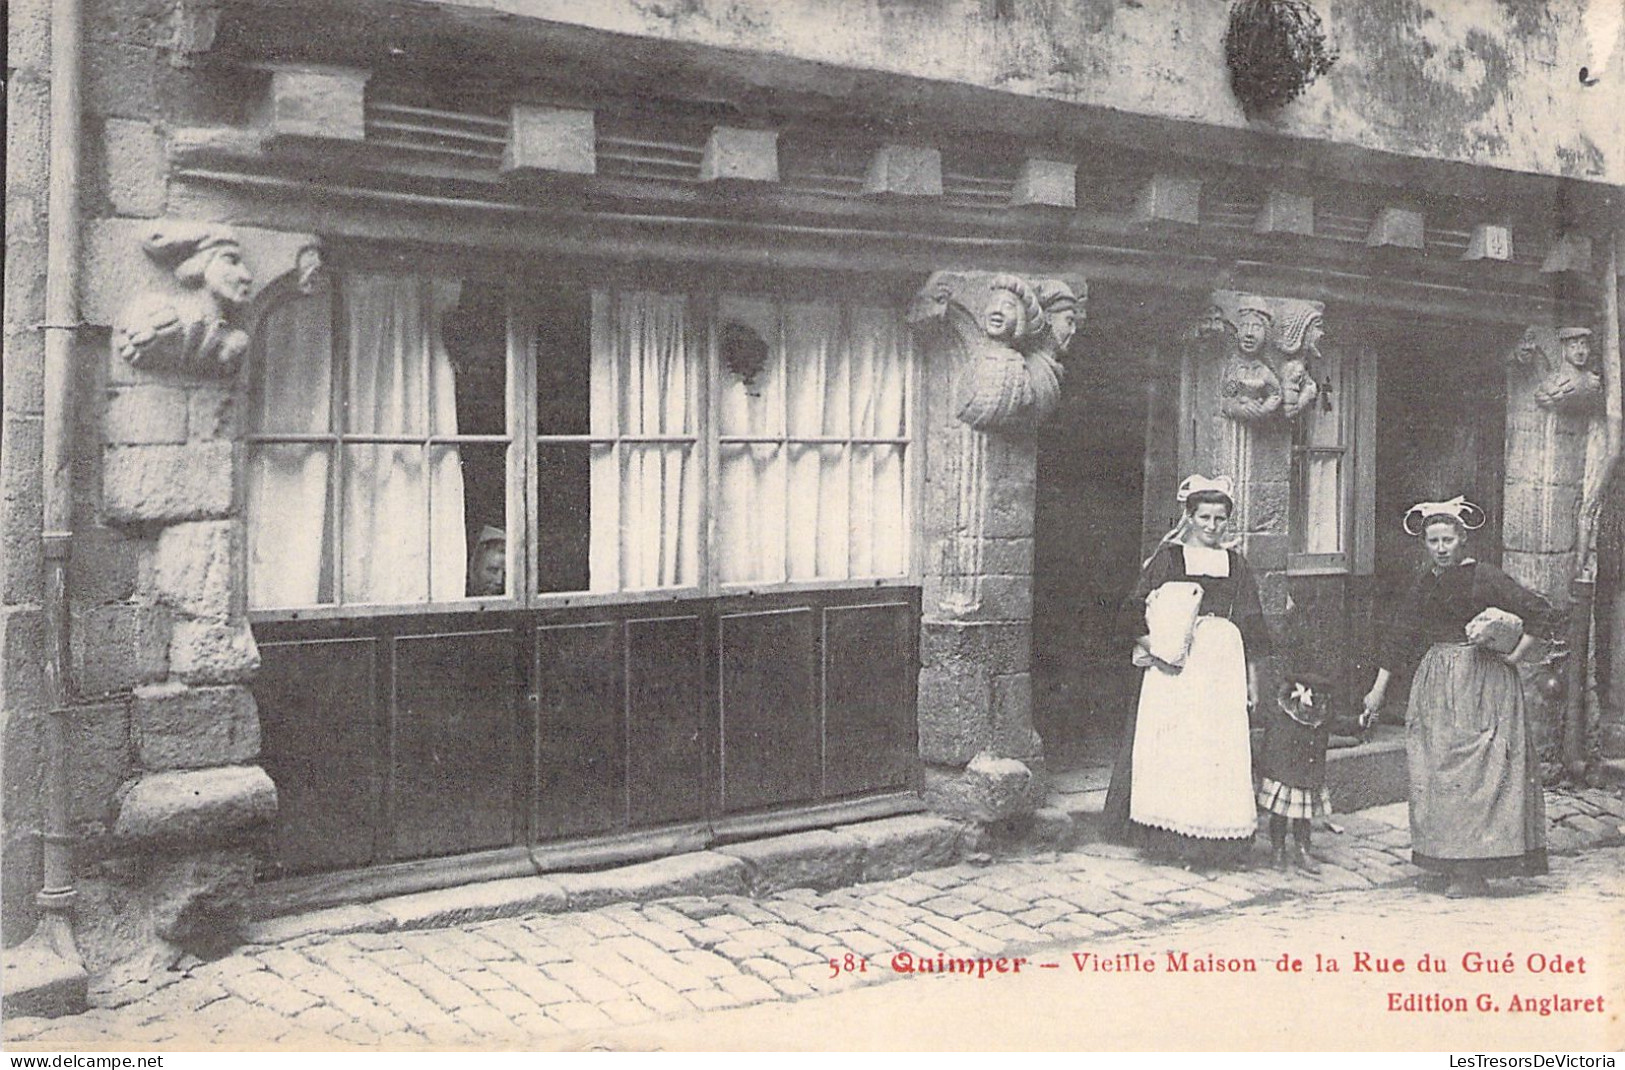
(679, 442)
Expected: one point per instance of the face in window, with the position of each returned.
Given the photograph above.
(1251, 330)
(227, 277)
(489, 576)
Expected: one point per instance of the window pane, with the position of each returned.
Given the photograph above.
(645, 349)
(879, 543)
(293, 380)
(390, 533)
(476, 337)
(660, 516)
(815, 371)
(750, 514)
(565, 386)
(563, 511)
(879, 373)
(1323, 422)
(484, 483)
(289, 541)
(1323, 504)
(395, 352)
(750, 366)
(818, 512)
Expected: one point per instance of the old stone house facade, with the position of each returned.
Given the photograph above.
(448, 439)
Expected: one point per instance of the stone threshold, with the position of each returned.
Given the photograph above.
(1360, 777)
(860, 852)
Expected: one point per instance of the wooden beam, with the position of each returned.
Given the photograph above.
(1398, 228)
(904, 170)
(1285, 212)
(1490, 241)
(736, 154)
(1170, 199)
(1571, 252)
(1046, 182)
(315, 103)
(543, 139)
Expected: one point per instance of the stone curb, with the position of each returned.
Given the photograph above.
(823, 858)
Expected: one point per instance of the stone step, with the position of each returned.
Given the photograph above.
(1366, 775)
(854, 853)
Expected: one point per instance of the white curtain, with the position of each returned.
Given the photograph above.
(878, 536)
(401, 512)
(645, 495)
(287, 482)
(805, 510)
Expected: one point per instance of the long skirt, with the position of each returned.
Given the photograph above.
(1192, 763)
(1477, 807)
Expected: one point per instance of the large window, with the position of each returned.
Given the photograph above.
(424, 441)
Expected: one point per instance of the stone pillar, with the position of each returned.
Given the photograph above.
(989, 344)
(1241, 407)
(1554, 437)
(173, 869)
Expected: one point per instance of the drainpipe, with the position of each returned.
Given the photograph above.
(54, 934)
(1574, 712)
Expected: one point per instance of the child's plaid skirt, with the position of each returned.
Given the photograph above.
(1279, 798)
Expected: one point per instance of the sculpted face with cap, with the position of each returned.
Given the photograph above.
(1576, 342)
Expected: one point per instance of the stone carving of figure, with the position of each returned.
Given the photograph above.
(1571, 387)
(191, 330)
(1062, 307)
(1530, 352)
(1301, 330)
(998, 387)
(1251, 390)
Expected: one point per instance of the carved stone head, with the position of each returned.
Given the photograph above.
(1575, 343)
(204, 256)
(1253, 321)
(1063, 309)
(1530, 352)
(1013, 312)
(1302, 328)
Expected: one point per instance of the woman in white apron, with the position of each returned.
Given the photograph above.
(1183, 785)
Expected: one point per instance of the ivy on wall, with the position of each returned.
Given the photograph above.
(1275, 49)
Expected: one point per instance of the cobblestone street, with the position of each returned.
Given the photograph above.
(536, 979)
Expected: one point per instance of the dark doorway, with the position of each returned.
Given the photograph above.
(1088, 530)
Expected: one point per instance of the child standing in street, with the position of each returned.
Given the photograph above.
(1292, 782)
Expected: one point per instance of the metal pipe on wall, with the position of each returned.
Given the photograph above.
(57, 892)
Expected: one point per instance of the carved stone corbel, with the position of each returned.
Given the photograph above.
(1572, 385)
(1297, 338)
(1250, 388)
(1270, 344)
(1007, 334)
(192, 328)
(1561, 358)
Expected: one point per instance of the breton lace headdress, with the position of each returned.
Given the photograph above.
(1195, 483)
(1191, 485)
(1466, 514)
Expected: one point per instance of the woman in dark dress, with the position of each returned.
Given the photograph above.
(1477, 808)
(1183, 783)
